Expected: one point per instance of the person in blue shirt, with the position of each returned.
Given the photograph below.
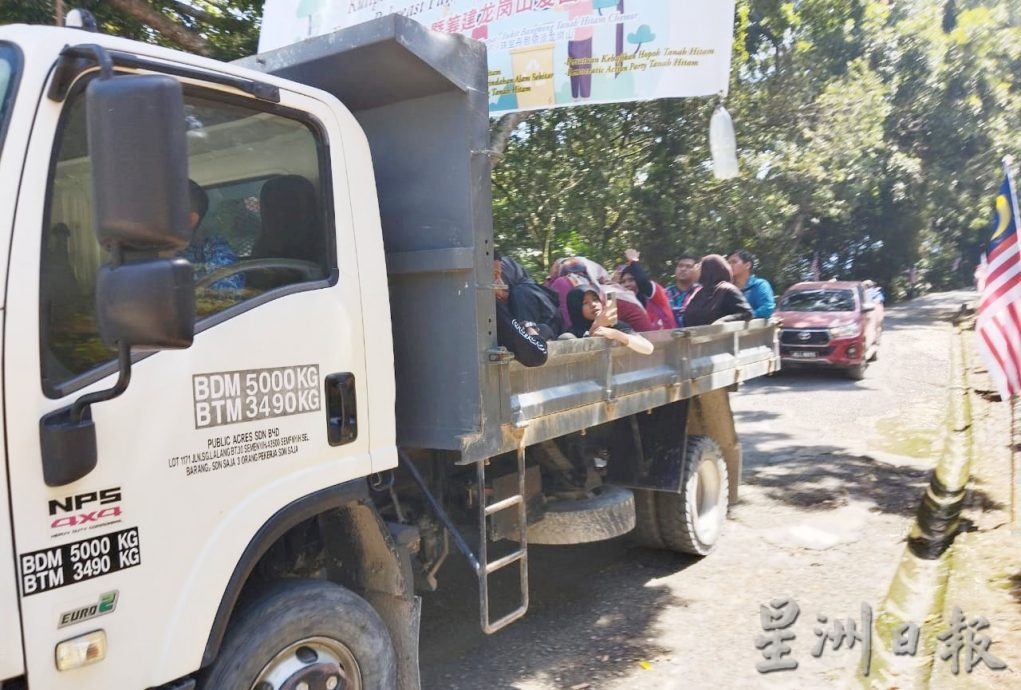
(757, 291)
(208, 252)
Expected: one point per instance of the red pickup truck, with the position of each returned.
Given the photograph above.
(833, 324)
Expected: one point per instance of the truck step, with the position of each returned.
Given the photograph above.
(520, 556)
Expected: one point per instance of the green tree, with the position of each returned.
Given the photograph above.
(224, 29)
(869, 134)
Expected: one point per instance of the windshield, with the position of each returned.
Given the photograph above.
(8, 72)
(818, 300)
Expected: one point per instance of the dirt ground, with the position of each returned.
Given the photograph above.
(834, 471)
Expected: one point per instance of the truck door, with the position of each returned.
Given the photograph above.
(207, 443)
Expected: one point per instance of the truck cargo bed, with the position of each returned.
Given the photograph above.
(591, 381)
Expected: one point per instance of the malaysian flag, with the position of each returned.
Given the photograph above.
(999, 311)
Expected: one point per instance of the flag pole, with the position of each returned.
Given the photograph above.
(1008, 161)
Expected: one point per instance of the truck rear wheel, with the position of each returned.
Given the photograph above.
(691, 521)
(305, 632)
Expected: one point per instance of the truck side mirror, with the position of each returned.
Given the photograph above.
(868, 306)
(147, 304)
(139, 162)
(140, 204)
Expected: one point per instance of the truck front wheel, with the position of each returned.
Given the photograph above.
(305, 633)
(691, 521)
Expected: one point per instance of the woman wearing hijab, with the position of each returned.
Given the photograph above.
(522, 337)
(528, 301)
(588, 318)
(578, 271)
(651, 294)
(719, 300)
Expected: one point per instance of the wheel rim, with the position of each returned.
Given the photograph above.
(315, 663)
(708, 502)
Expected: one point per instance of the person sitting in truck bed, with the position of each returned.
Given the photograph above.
(529, 301)
(522, 338)
(719, 300)
(580, 271)
(651, 294)
(590, 318)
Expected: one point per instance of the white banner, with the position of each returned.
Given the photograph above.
(552, 53)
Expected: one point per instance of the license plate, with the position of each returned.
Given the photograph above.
(801, 354)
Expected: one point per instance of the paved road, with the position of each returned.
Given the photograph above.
(833, 472)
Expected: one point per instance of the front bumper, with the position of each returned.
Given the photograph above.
(839, 352)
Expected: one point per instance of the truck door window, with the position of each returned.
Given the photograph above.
(259, 218)
(8, 74)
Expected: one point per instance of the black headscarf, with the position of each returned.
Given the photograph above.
(514, 273)
(575, 298)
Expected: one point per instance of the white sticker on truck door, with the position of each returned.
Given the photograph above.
(232, 397)
(229, 452)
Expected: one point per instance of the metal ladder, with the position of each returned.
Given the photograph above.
(480, 564)
(484, 568)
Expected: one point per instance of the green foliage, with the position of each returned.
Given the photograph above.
(230, 26)
(870, 135)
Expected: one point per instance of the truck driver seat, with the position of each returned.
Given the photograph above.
(291, 226)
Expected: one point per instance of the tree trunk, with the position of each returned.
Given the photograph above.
(500, 135)
(168, 28)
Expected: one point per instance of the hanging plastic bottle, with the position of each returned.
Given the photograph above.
(723, 144)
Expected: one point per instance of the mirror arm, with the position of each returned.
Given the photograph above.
(123, 357)
(102, 58)
(123, 379)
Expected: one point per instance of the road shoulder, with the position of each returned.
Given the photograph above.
(985, 565)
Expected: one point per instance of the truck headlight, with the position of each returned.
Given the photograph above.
(848, 330)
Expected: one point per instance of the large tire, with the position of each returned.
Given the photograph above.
(271, 640)
(609, 512)
(692, 521)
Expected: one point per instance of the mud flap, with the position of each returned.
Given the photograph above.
(711, 416)
(647, 450)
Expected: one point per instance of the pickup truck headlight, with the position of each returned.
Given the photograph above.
(848, 330)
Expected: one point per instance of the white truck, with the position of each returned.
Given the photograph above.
(239, 476)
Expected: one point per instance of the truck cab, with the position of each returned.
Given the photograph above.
(207, 443)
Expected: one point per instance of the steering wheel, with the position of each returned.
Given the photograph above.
(308, 269)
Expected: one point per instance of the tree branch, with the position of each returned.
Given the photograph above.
(194, 12)
(501, 134)
(168, 28)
